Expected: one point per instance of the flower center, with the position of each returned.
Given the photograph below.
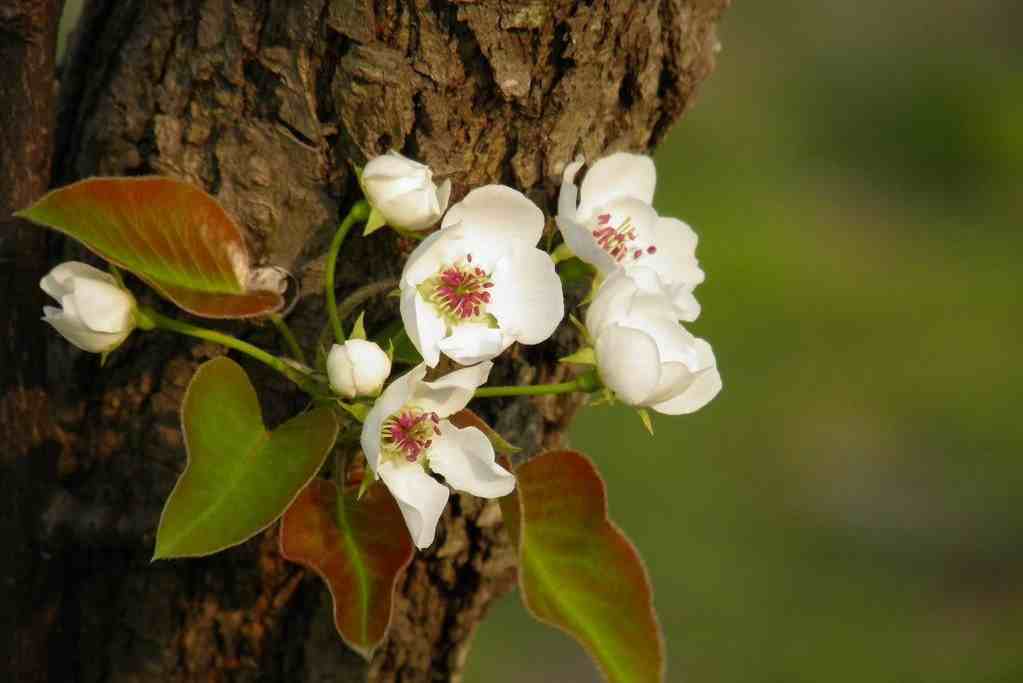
(620, 241)
(459, 291)
(409, 433)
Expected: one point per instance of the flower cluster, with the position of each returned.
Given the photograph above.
(468, 291)
(643, 353)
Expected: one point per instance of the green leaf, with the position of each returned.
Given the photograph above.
(466, 418)
(369, 478)
(172, 235)
(405, 351)
(375, 222)
(359, 328)
(583, 332)
(584, 356)
(357, 410)
(644, 416)
(578, 572)
(358, 547)
(573, 270)
(239, 477)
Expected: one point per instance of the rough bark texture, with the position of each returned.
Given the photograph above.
(266, 105)
(28, 603)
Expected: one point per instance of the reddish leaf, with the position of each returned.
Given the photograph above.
(358, 547)
(578, 571)
(171, 234)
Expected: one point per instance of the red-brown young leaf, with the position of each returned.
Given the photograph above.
(358, 547)
(578, 571)
(171, 234)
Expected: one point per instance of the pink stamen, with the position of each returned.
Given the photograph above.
(408, 432)
(462, 291)
(617, 241)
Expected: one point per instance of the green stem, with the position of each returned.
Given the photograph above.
(289, 338)
(150, 319)
(587, 383)
(358, 298)
(359, 213)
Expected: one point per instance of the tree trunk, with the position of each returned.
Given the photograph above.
(267, 105)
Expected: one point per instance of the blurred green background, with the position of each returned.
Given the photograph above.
(848, 508)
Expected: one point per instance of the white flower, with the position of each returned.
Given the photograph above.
(405, 437)
(403, 191)
(479, 283)
(614, 225)
(96, 315)
(643, 354)
(357, 368)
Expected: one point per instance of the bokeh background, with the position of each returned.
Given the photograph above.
(850, 508)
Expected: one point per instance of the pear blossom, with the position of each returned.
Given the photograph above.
(403, 191)
(479, 284)
(610, 223)
(643, 354)
(357, 368)
(95, 314)
(405, 437)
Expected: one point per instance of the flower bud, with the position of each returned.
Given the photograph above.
(403, 191)
(96, 314)
(357, 368)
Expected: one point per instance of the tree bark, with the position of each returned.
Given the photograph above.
(267, 105)
(29, 586)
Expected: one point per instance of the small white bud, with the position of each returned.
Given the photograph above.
(403, 191)
(357, 368)
(95, 314)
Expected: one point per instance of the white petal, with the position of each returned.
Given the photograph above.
(420, 497)
(70, 308)
(424, 326)
(568, 196)
(675, 379)
(611, 303)
(628, 363)
(370, 365)
(438, 249)
(576, 234)
(686, 306)
(415, 209)
(57, 283)
(471, 343)
(393, 165)
(627, 292)
(102, 306)
(79, 335)
(443, 195)
(705, 385)
(465, 458)
(500, 211)
(340, 372)
(616, 176)
(527, 298)
(453, 391)
(395, 396)
(580, 241)
(675, 259)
